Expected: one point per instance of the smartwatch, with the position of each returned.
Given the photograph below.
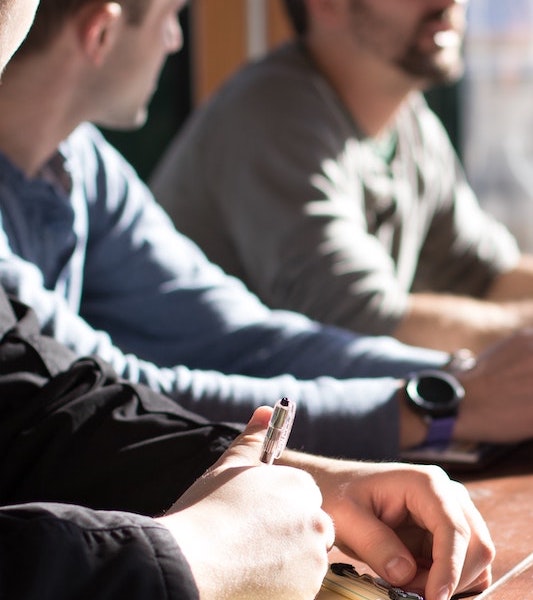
(436, 396)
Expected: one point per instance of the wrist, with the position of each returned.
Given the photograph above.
(435, 395)
(413, 428)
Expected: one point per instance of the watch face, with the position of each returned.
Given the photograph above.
(435, 393)
(435, 390)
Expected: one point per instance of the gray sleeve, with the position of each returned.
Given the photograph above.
(465, 247)
(60, 552)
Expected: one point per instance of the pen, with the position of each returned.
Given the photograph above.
(279, 429)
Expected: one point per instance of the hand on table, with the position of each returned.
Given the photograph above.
(411, 524)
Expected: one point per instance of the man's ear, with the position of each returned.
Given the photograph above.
(99, 25)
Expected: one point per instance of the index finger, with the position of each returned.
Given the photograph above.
(462, 548)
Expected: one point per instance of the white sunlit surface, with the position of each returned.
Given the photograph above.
(497, 111)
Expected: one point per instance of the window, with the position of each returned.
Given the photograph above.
(497, 111)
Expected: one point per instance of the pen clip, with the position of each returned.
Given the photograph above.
(287, 425)
(279, 429)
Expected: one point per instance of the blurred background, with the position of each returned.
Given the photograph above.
(488, 114)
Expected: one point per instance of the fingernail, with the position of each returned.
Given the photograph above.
(398, 570)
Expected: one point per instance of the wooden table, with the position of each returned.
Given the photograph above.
(503, 493)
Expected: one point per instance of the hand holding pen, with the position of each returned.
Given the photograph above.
(242, 527)
(278, 431)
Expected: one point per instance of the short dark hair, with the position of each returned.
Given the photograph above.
(52, 14)
(297, 12)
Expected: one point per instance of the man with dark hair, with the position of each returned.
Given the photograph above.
(320, 177)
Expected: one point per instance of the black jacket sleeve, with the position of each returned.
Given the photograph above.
(60, 552)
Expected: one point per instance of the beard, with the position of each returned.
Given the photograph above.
(433, 59)
(445, 67)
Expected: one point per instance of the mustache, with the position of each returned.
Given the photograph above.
(453, 15)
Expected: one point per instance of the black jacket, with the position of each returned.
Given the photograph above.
(78, 447)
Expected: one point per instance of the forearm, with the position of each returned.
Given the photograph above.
(448, 322)
(516, 284)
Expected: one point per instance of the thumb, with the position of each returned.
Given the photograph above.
(260, 419)
(245, 451)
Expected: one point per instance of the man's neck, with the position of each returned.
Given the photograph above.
(372, 93)
(35, 113)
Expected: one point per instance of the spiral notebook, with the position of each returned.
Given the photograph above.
(343, 581)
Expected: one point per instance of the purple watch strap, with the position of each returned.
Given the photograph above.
(440, 430)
